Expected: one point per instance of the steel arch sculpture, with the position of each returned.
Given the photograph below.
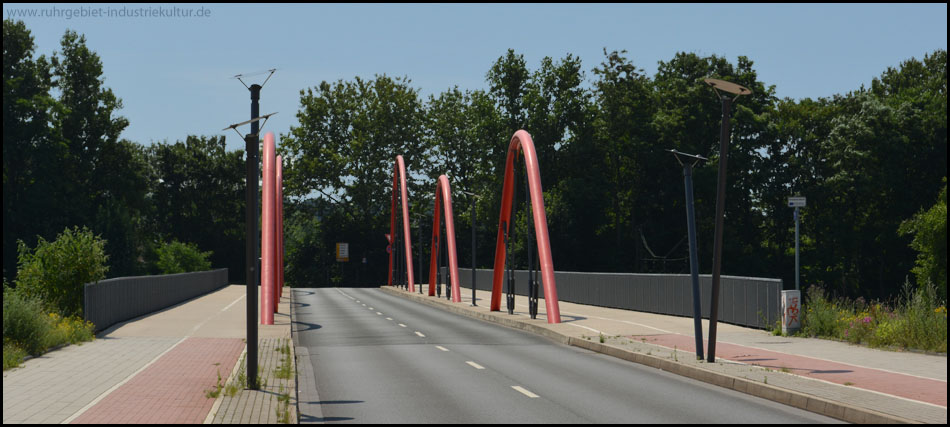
(443, 199)
(521, 143)
(399, 182)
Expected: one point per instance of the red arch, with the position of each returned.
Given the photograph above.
(443, 192)
(399, 178)
(521, 142)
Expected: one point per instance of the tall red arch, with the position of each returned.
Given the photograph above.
(443, 202)
(521, 143)
(399, 183)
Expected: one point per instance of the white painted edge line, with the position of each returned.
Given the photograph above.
(474, 365)
(402, 325)
(522, 390)
(120, 384)
(235, 302)
(581, 326)
(420, 334)
(441, 348)
(843, 363)
(735, 362)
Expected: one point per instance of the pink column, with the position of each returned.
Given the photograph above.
(280, 233)
(268, 244)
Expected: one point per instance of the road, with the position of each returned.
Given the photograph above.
(378, 358)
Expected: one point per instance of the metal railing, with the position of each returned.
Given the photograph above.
(745, 301)
(111, 301)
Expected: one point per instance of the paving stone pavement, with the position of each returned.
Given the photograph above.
(275, 402)
(153, 369)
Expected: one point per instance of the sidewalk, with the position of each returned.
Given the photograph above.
(848, 382)
(157, 368)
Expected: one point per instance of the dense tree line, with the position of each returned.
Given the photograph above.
(869, 161)
(64, 165)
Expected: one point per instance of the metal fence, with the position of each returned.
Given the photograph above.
(111, 301)
(746, 301)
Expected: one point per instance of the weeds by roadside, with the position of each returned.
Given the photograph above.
(915, 320)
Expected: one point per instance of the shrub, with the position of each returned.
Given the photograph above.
(57, 271)
(12, 355)
(24, 323)
(177, 257)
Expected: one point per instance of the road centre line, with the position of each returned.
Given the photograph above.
(441, 348)
(420, 334)
(525, 392)
(474, 365)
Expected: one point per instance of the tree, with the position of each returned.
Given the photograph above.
(198, 196)
(930, 241)
(30, 150)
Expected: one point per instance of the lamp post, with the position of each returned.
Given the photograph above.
(727, 93)
(252, 266)
(693, 256)
(473, 196)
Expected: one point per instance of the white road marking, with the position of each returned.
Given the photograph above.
(441, 348)
(389, 318)
(235, 302)
(420, 334)
(475, 365)
(379, 314)
(581, 326)
(525, 392)
(402, 325)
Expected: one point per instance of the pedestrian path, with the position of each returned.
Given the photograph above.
(849, 382)
(159, 368)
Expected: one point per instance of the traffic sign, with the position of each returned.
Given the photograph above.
(796, 201)
(343, 252)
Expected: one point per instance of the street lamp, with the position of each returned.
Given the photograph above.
(473, 196)
(251, 217)
(693, 256)
(727, 93)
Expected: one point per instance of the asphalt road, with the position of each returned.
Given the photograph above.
(378, 358)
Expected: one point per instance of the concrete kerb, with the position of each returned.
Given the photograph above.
(231, 378)
(788, 397)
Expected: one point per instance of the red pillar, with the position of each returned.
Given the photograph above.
(268, 244)
(280, 233)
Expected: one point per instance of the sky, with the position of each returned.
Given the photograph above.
(174, 72)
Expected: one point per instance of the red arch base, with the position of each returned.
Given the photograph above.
(443, 197)
(521, 142)
(399, 181)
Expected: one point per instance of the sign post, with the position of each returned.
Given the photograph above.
(796, 202)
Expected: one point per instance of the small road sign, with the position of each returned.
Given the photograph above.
(343, 252)
(796, 201)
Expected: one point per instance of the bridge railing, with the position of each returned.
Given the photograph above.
(744, 301)
(111, 301)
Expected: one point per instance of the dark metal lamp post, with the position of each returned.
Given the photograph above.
(693, 257)
(727, 92)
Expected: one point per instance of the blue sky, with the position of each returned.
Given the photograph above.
(173, 73)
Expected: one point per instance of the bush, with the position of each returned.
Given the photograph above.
(24, 323)
(12, 355)
(57, 271)
(177, 257)
(929, 229)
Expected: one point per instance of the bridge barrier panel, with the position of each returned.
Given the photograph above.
(111, 301)
(745, 301)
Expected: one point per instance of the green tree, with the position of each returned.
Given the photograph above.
(177, 257)
(30, 149)
(929, 228)
(198, 196)
(55, 272)
(344, 150)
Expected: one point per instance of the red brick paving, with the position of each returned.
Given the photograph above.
(172, 390)
(906, 386)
